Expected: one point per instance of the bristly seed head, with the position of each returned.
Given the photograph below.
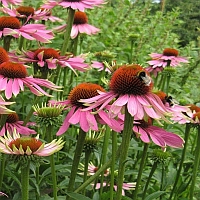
(48, 53)
(83, 91)
(170, 52)
(25, 10)
(33, 143)
(80, 18)
(12, 118)
(13, 70)
(9, 22)
(131, 79)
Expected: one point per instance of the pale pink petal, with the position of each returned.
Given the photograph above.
(66, 123)
(8, 90)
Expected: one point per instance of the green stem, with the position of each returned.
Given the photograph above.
(6, 42)
(104, 155)
(96, 175)
(126, 137)
(196, 164)
(76, 160)
(52, 162)
(53, 175)
(25, 181)
(153, 169)
(162, 180)
(37, 181)
(87, 159)
(167, 83)
(3, 119)
(2, 169)
(29, 115)
(21, 42)
(67, 33)
(142, 164)
(112, 173)
(163, 82)
(187, 131)
(75, 45)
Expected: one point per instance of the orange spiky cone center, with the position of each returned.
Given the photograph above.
(170, 52)
(80, 18)
(9, 22)
(25, 10)
(12, 118)
(83, 91)
(47, 53)
(13, 70)
(127, 80)
(33, 143)
(193, 107)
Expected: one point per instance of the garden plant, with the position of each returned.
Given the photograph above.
(99, 100)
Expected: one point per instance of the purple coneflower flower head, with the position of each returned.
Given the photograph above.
(100, 66)
(10, 26)
(3, 194)
(125, 186)
(195, 116)
(49, 58)
(13, 77)
(74, 4)
(154, 71)
(92, 169)
(130, 86)
(17, 145)
(144, 130)
(80, 25)
(85, 119)
(26, 13)
(13, 2)
(169, 57)
(13, 122)
(179, 113)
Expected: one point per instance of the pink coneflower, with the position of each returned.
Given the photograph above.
(144, 130)
(74, 4)
(100, 66)
(3, 109)
(179, 113)
(129, 85)
(92, 169)
(80, 25)
(27, 12)
(13, 77)
(3, 194)
(169, 57)
(85, 119)
(10, 26)
(17, 145)
(13, 2)
(154, 71)
(13, 122)
(195, 114)
(49, 58)
(125, 186)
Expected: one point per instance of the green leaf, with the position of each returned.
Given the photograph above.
(154, 195)
(77, 196)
